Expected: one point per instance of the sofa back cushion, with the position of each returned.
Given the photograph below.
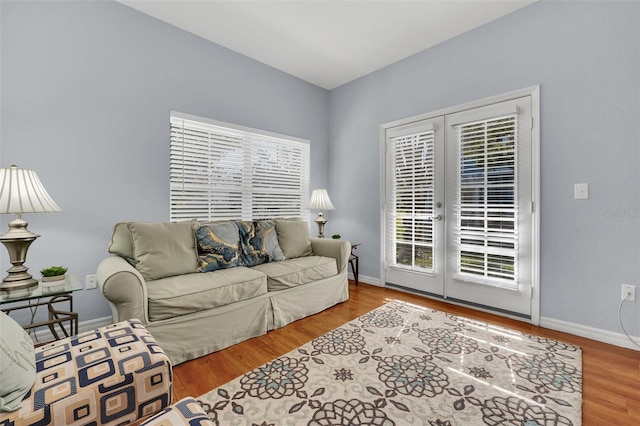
(163, 249)
(218, 245)
(293, 237)
(17, 364)
(259, 242)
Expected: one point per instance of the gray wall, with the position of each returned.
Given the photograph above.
(586, 58)
(87, 88)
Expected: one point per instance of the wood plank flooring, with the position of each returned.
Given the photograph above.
(611, 375)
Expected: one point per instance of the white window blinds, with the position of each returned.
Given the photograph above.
(487, 202)
(222, 171)
(410, 218)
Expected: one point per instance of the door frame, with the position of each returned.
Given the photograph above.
(534, 93)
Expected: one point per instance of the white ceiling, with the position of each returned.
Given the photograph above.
(327, 43)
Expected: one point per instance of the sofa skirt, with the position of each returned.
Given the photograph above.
(299, 302)
(194, 335)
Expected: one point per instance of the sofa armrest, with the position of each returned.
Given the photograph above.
(124, 288)
(338, 249)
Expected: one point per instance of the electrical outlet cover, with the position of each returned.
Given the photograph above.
(631, 290)
(91, 282)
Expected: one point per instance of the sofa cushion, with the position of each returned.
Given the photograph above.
(218, 245)
(163, 249)
(298, 271)
(293, 237)
(17, 363)
(258, 242)
(186, 294)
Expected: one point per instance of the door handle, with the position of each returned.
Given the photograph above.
(438, 217)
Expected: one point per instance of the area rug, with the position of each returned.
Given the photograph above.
(403, 364)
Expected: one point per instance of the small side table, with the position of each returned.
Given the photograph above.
(353, 261)
(46, 295)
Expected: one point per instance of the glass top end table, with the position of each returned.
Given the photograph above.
(70, 284)
(49, 294)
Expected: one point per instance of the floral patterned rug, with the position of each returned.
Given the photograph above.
(403, 364)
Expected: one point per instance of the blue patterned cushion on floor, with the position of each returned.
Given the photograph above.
(187, 411)
(258, 242)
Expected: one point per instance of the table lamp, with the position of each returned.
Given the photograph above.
(320, 201)
(21, 192)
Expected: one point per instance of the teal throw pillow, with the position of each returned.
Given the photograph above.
(17, 364)
(258, 242)
(218, 246)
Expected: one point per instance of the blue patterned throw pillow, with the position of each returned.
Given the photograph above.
(258, 242)
(218, 246)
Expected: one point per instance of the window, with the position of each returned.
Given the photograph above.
(222, 171)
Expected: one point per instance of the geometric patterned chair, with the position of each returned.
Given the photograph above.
(113, 375)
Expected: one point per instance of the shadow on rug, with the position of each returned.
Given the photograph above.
(403, 364)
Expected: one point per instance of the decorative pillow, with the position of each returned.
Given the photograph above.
(121, 242)
(218, 246)
(164, 249)
(17, 364)
(258, 242)
(293, 237)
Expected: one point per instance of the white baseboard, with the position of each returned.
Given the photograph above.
(367, 280)
(610, 337)
(93, 323)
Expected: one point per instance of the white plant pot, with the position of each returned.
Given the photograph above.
(52, 279)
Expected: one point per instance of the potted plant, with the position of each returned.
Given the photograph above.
(336, 236)
(53, 273)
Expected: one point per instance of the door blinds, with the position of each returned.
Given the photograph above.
(410, 218)
(487, 202)
(220, 171)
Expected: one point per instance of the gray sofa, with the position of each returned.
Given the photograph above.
(198, 287)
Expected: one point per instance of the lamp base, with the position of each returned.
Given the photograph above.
(321, 220)
(17, 240)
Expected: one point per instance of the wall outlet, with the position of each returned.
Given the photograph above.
(630, 290)
(581, 191)
(91, 282)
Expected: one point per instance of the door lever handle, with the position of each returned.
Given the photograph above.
(438, 217)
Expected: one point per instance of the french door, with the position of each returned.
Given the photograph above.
(458, 211)
(415, 177)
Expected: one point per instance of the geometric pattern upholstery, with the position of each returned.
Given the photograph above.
(187, 411)
(109, 376)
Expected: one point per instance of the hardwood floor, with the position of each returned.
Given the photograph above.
(611, 375)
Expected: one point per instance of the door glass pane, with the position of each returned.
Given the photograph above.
(412, 201)
(487, 203)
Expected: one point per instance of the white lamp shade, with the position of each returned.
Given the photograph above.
(22, 192)
(320, 200)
